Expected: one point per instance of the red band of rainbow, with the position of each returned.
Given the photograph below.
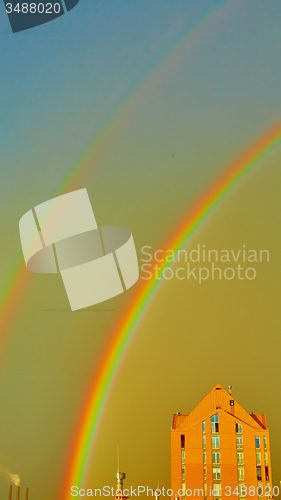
(192, 222)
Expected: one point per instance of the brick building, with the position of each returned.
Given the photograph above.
(220, 451)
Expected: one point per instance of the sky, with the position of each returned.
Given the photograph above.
(148, 102)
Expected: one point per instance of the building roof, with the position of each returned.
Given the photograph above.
(218, 399)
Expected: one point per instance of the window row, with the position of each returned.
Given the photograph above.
(216, 473)
(239, 446)
(259, 473)
(216, 459)
(258, 458)
(183, 473)
(182, 441)
(239, 442)
(215, 442)
(258, 442)
(205, 473)
(240, 473)
(215, 423)
(238, 428)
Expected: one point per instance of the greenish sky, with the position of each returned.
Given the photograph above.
(211, 98)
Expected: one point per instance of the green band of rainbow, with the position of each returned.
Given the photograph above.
(122, 334)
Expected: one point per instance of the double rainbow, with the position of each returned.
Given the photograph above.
(189, 226)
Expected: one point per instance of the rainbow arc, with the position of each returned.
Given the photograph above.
(127, 326)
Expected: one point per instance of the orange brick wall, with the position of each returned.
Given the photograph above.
(228, 451)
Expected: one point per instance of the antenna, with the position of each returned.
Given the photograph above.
(118, 459)
(157, 492)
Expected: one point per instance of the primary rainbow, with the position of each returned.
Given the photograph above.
(188, 227)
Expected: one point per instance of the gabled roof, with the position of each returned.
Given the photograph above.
(260, 419)
(218, 399)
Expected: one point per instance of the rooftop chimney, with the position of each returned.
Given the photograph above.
(120, 476)
(18, 493)
(10, 492)
(26, 494)
(230, 389)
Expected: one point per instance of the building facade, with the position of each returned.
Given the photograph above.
(219, 451)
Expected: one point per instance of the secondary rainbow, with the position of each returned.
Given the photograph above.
(17, 278)
(187, 228)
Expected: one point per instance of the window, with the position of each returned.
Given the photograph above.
(215, 442)
(183, 488)
(258, 457)
(266, 474)
(257, 441)
(216, 457)
(238, 428)
(259, 476)
(264, 442)
(204, 441)
(203, 427)
(240, 489)
(205, 473)
(216, 473)
(205, 490)
(183, 473)
(265, 458)
(182, 456)
(215, 423)
(217, 490)
(240, 458)
(239, 442)
(204, 457)
(182, 441)
(240, 471)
